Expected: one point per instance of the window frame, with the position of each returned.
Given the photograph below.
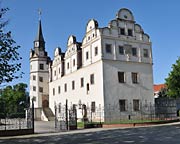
(34, 78)
(96, 51)
(146, 53)
(109, 48)
(93, 106)
(122, 31)
(92, 79)
(65, 87)
(67, 65)
(87, 55)
(134, 51)
(40, 79)
(121, 50)
(59, 89)
(82, 82)
(41, 89)
(41, 66)
(73, 85)
(121, 77)
(134, 77)
(74, 62)
(34, 88)
(130, 32)
(136, 104)
(54, 92)
(122, 105)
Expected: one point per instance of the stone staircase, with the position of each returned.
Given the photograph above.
(49, 114)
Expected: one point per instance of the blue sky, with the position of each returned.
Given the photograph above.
(61, 18)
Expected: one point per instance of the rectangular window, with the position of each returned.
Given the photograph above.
(74, 62)
(93, 106)
(65, 87)
(108, 48)
(41, 79)
(87, 88)
(41, 89)
(134, 77)
(59, 70)
(134, 51)
(41, 66)
(59, 89)
(122, 104)
(130, 32)
(34, 77)
(87, 55)
(53, 91)
(96, 51)
(82, 82)
(136, 105)
(121, 77)
(55, 73)
(34, 88)
(68, 65)
(145, 53)
(92, 78)
(121, 50)
(73, 85)
(122, 31)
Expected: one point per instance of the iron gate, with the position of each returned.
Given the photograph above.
(65, 119)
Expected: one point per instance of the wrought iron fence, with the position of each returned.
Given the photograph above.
(111, 114)
(17, 121)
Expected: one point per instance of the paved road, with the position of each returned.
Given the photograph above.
(169, 134)
(44, 126)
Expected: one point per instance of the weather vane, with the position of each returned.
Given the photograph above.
(39, 12)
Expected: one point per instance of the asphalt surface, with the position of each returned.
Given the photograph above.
(164, 134)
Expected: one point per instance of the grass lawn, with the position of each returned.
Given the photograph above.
(134, 121)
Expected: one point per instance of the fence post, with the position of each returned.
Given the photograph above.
(67, 126)
(33, 114)
(55, 108)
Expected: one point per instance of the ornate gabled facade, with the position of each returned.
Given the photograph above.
(111, 67)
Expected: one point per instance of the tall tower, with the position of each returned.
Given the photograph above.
(39, 73)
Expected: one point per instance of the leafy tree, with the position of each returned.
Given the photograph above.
(14, 99)
(9, 56)
(163, 92)
(173, 80)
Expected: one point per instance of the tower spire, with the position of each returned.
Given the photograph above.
(39, 12)
(39, 36)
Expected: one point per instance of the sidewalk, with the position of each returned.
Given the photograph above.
(44, 129)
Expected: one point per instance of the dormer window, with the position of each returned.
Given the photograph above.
(125, 16)
(122, 31)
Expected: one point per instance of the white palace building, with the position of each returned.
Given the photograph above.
(111, 67)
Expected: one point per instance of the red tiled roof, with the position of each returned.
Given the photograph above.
(159, 87)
